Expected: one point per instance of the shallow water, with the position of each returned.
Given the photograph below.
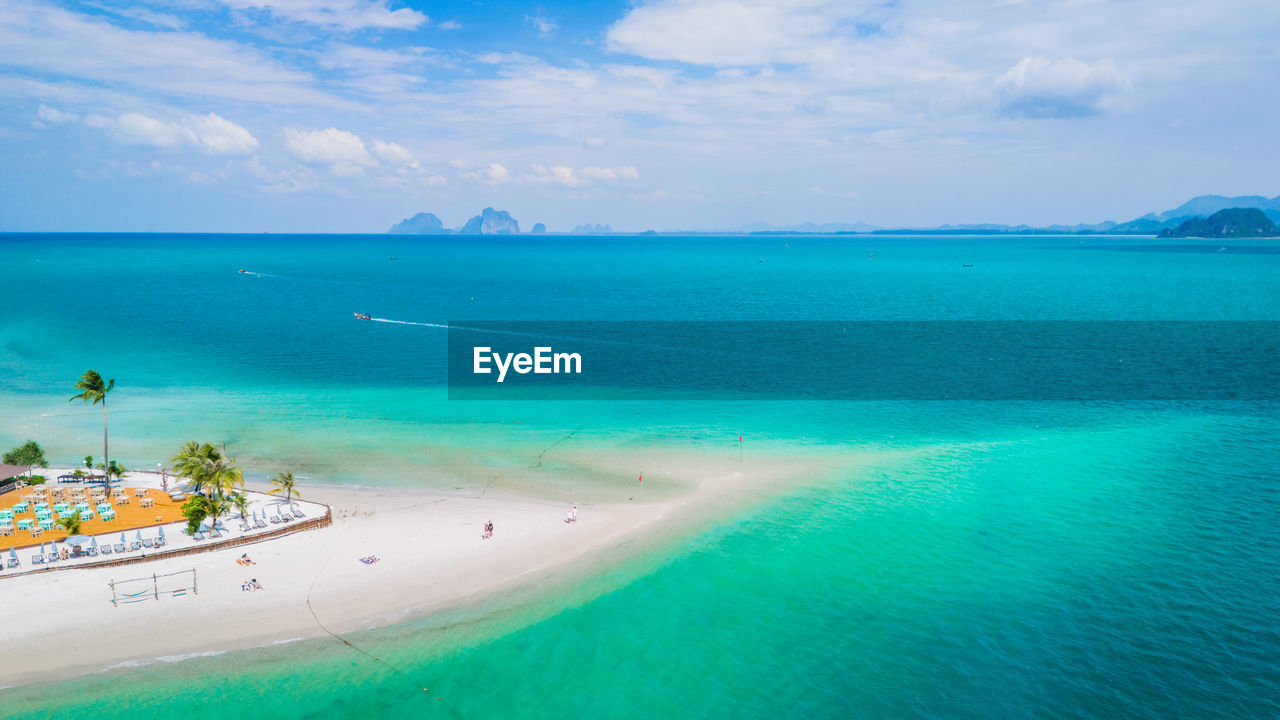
(1105, 560)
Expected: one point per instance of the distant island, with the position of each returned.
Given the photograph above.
(488, 222)
(1207, 216)
(1229, 223)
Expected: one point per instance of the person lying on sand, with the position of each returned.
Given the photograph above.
(369, 560)
(256, 585)
(244, 560)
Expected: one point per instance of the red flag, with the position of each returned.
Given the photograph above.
(640, 478)
(739, 438)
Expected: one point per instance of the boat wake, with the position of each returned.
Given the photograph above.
(420, 324)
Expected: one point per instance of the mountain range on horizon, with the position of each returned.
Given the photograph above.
(500, 222)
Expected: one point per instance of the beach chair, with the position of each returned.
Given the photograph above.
(214, 534)
(260, 523)
(120, 548)
(244, 527)
(148, 542)
(275, 519)
(91, 552)
(51, 557)
(135, 546)
(105, 549)
(13, 563)
(159, 542)
(37, 559)
(298, 514)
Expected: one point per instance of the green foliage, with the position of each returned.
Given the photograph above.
(240, 502)
(285, 484)
(1229, 223)
(195, 511)
(88, 462)
(116, 470)
(70, 523)
(210, 473)
(93, 388)
(28, 454)
(37, 480)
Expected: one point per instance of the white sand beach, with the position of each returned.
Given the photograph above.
(430, 557)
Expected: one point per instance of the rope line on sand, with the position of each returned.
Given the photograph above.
(344, 641)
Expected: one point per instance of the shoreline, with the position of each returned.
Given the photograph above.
(431, 559)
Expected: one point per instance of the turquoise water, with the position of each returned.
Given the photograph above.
(1106, 560)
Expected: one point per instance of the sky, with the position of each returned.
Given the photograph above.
(349, 115)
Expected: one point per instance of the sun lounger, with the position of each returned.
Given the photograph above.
(13, 563)
(135, 545)
(51, 557)
(244, 527)
(159, 542)
(148, 542)
(259, 523)
(213, 533)
(37, 559)
(91, 552)
(197, 535)
(119, 548)
(298, 513)
(105, 549)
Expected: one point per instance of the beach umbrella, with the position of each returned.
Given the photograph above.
(139, 536)
(160, 532)
(75, 539)
(122, 538)
(13, 554)
(93, 542)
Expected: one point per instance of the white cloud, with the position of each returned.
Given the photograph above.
(55, 117)
(497, 173)
(341, 14)
(436, 180)
(597, 173)
(139, 129)
(42, 38)
(393, 154)
(546, 28)
(450, 25)
(218, 136)
(211, 133)
(337, 148)
(1039, 88)
(734, 32)
(568, 177)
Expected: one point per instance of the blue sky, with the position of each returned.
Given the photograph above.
(348, 115)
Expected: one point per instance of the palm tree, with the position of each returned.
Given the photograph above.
(211, 474)
(223, 477)
(193, 462)
(94, 390)
(215, 507)
(284, 483)
(241, 503)
(70, 523)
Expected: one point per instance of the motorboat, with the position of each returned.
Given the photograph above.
(362, 316)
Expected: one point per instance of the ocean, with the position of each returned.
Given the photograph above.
(1051, 559)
